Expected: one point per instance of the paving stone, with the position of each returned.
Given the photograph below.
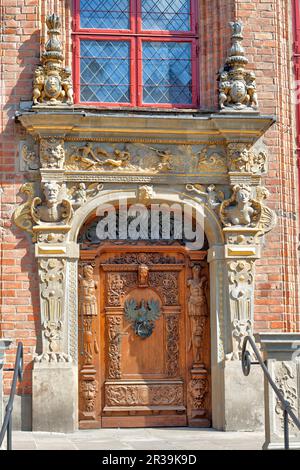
(140, 439)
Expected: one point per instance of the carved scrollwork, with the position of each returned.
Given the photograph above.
(209, 159)
(142, 395)
(114, 346)
(118, 285)
(172, 333)
(167, 285)
(22, 214)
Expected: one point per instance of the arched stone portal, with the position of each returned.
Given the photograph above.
(88, 158)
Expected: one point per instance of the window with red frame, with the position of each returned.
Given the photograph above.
(136, 53)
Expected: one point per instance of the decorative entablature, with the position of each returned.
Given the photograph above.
(84, 156)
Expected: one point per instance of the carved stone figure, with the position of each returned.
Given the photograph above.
(198, 312)
(214, 197)
(52, 153)
(238, 210)
(53, 209)
(145, 194)
(237, 87)
(242, 159)
(243, 210)
(88, 300)
(52, 83)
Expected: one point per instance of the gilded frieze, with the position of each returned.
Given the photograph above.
(142, 158)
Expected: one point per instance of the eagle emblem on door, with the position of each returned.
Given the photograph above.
(142, 317)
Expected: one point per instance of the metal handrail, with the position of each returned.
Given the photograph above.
(18, 375)
(286, 406)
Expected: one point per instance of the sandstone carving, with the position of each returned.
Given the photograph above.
(22, 214)
(145, 194)
(53, 209)
(237, 87)
(52, 277)
(30, 158)
(80, 193)
(211, 195)
(245, 160)
(241, 280)
(238, 210)
(242, 210)
(52, 153)
(52, 83)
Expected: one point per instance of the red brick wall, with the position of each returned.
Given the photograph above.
(268, 45)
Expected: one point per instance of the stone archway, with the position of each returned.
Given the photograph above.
(59, 361)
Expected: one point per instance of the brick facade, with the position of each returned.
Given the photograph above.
(268, 44)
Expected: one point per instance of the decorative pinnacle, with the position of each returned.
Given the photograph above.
(237, 52)
(53, 45)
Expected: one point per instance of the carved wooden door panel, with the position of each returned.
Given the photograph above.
(142, 317)
(143, 340)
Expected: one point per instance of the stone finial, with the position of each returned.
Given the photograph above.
(237, 87)
(52, 82)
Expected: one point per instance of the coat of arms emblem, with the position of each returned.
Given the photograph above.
(142, 317)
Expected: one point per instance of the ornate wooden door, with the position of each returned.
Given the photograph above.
(139, 354)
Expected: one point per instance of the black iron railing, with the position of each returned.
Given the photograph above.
(18, 375)
(286, 406)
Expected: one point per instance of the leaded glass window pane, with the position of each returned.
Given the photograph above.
(104, 71)
(170, 15)
(105, 14)
(167, 72)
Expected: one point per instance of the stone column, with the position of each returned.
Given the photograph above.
(55, 402)
(4, 344)
(282, 353)
(244, 396)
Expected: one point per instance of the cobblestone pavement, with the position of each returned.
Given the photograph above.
(135, 439)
